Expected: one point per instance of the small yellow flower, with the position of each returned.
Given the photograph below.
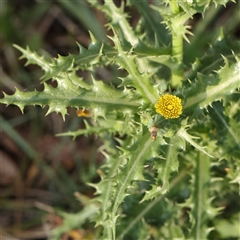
(169, 106)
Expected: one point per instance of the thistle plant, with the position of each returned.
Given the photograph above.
(161, 121)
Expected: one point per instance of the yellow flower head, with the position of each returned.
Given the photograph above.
(169, 106)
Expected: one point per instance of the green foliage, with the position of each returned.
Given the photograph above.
(141, 175)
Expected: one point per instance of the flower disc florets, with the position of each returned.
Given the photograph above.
(169, 106)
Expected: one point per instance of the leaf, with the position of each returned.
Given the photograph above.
(140, 81)
(209, 89)
(151, 22)
(165, 166)
(33, 58)
(148, 209)
(101, 98)
(187, 137)
(212, 58)
(228, 229)
(199, 202)
(72, 221)
(141, 150)
(104, 190)
(61, 65)
(226, 130)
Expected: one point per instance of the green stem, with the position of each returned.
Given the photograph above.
(177, 53)
(177, 49)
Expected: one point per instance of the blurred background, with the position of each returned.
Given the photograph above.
(38, 169)
(41, 172)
